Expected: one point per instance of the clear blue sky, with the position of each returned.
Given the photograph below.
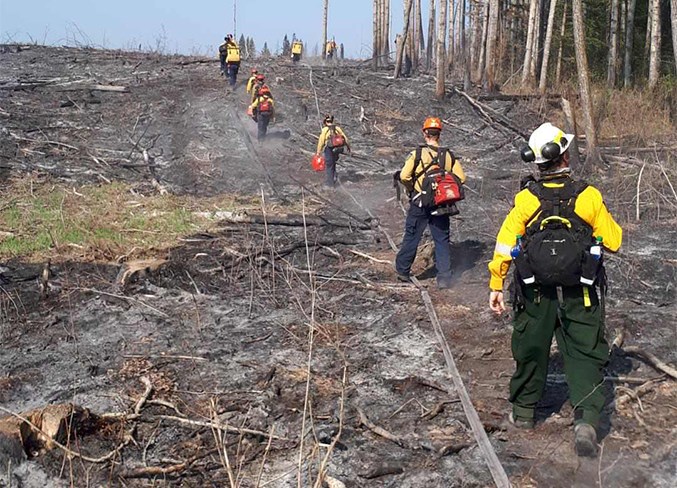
(187, 26)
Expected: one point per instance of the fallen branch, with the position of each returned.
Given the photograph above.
(103, 88)
(380, 431)
(496, 118)
(370, 258)
(495, 467)
(282, 220)
(219, 426)
(134, 300)
(639, 392)
(652, 360)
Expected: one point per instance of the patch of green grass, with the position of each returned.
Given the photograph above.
(101, 221)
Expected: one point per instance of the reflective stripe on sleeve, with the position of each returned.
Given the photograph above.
(503, 249)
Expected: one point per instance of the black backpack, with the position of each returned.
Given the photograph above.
(557, 240)
(439, 187)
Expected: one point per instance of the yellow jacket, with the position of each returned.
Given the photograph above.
(250, 83)
(410, 167)
(326, 134)
(589, 207)
(258, 100)
(296, 47)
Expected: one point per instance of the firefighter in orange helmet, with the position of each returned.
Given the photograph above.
(419, 216)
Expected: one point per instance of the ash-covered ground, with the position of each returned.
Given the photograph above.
(286, 335)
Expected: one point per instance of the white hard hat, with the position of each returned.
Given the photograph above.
(546, 143)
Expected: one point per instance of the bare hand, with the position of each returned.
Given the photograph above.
(496, 303)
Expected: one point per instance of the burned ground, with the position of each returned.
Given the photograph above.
(221, 330)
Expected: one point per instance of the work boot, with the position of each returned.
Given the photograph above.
(404, 277)
(519, 422)
(444, 284)
(585, 440)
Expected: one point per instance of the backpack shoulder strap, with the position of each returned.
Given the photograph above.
(419, 153)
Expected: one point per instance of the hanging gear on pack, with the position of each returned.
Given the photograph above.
(336, 141)
(556, 247)
(265, 105)
(440, 189)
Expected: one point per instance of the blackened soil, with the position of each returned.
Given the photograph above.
(262, 326)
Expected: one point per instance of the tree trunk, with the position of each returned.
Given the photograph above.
(558, 70)
(410, 36)
(431, 36)
(467, 45)
(324, 29)
(479, 74)
(531, 31)
(546, 47)
(629, 39)
(375, 48)
(673, 24)
(451, 53)
(492, 34)
(612, 63)
(647, 37)
(386, 32)
(537, 43)
(655, 57)
(584, 82)
(420, 41)
(403, 38)
(441, 50)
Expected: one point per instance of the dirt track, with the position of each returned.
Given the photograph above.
(222, 329)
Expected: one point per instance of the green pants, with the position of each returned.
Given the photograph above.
(578, 326)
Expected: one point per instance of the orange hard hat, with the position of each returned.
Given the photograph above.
(260, 77)
(432, 123)
(264, 90)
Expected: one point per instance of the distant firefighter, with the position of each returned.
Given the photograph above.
(296, 50)
(229, 55)
(332, 143)
(263, 111)
(330, 49)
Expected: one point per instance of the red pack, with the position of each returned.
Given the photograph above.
(265, 106)
(447, 188)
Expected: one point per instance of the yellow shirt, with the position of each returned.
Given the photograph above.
(589, 207)
(258, 100)
(326, 134)
(296, 48)
(410, 167)
(250, 83)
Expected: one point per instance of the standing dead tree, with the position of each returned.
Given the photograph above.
(402, 39)
(584, 82)
(612, 61)
(673, 24)
(546, 47)
(655, 50)
(492, 35)
(324, 29)
(531, 32)
(431, 34)
(441, 49)
(629, 38)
